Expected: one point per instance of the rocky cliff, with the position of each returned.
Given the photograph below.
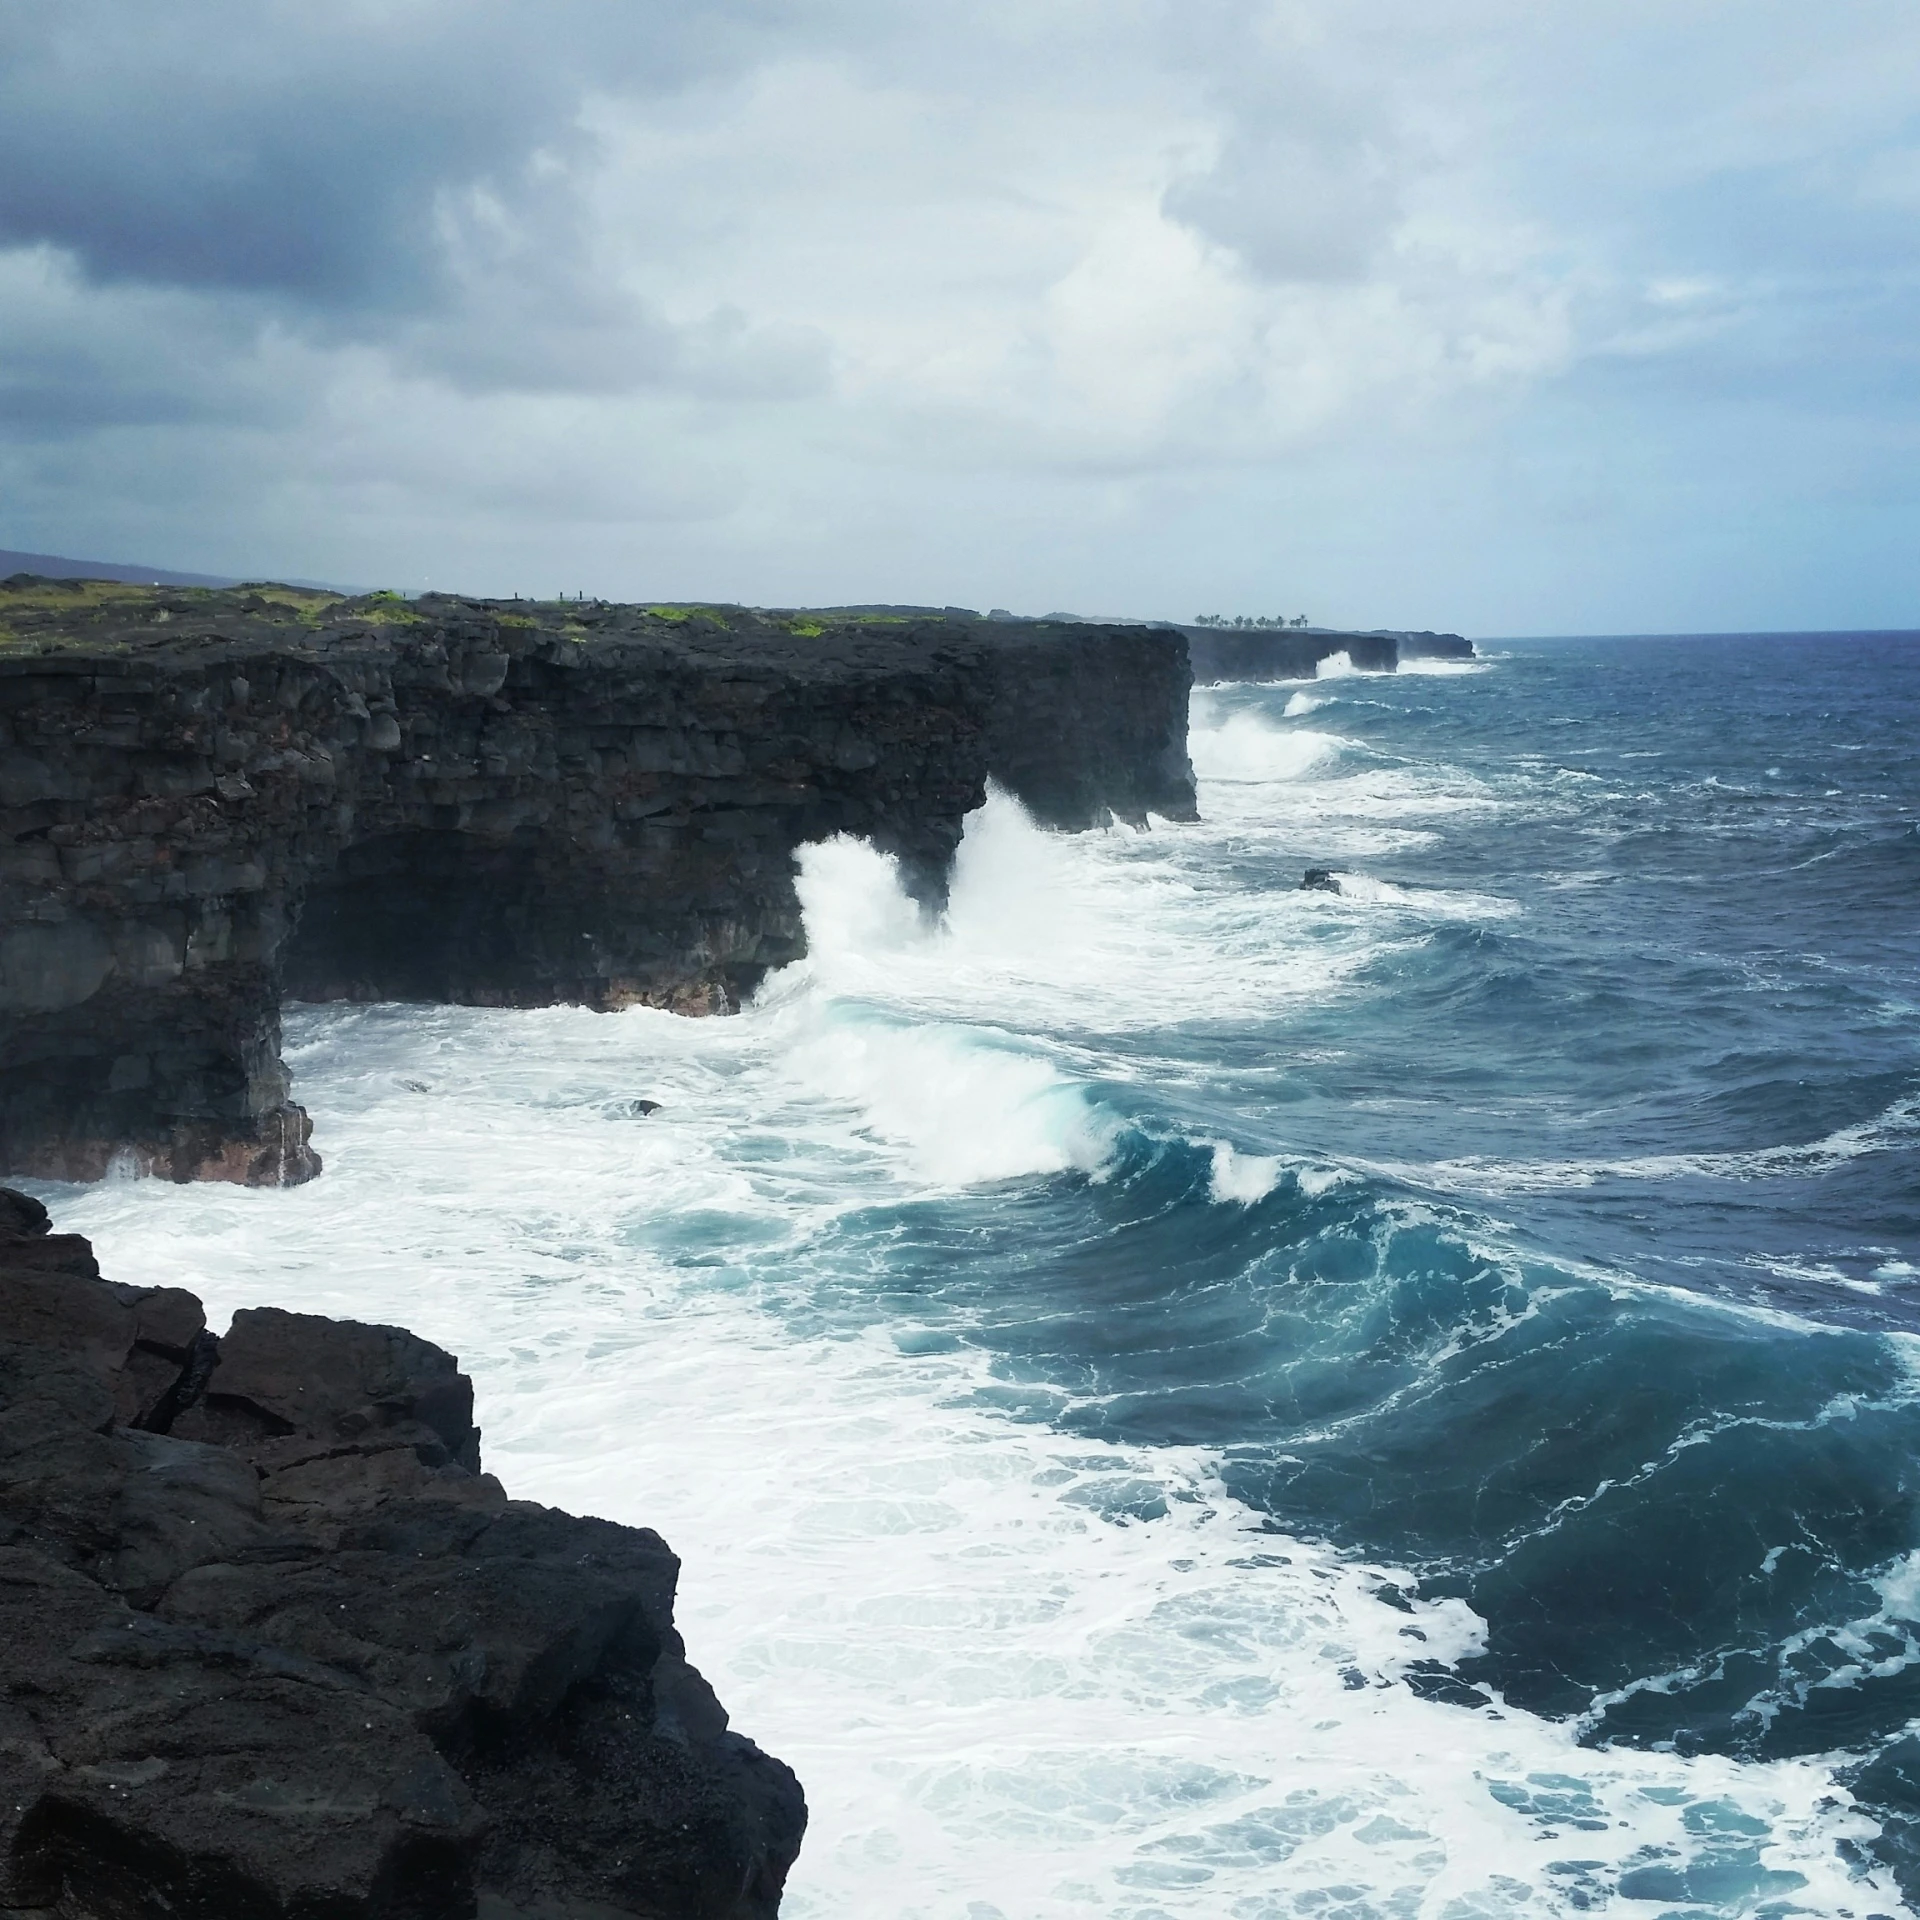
(277, 1649)
(1426, 645)
(209, 800)
(1280, 653)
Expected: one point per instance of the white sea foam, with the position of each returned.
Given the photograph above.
(1444, 668)
(1002, 1699)
(961, 1107)
(1897, 1126)
(1299, 705)
(1335, 666)
(1292, 784)
(1434, 903)
(1096, 933)
(1244, 747)
(1243, 1177)
(1363, 887)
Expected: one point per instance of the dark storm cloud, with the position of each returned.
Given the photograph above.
(405, 174)
(311, 153)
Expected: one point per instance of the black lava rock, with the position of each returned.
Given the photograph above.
(275, 1648)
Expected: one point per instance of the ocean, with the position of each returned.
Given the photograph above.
(1182, 1397)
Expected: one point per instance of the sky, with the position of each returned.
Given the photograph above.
(1500, 316)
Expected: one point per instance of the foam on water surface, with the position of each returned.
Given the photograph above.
(1004, 1690)
(1244, 747)
(1443, 668)
(1894, 1130)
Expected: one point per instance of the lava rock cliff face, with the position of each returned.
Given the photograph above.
(211, 800)
(277, 1649)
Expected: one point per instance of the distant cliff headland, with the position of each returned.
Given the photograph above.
(214, 799)
(1283, 653)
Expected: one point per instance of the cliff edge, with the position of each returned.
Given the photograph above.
(210, 800)
(277, 1649)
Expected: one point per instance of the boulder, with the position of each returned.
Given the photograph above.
(276, 1648)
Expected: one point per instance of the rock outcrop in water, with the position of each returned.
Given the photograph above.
(277, 1649)
(209, 800)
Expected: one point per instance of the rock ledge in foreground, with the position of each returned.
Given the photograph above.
(277, 1649)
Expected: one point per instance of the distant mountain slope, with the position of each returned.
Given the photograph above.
(54, 567)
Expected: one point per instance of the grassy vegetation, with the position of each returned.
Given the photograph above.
(680, 615)
(114, 616)
(811, 622)
(309, 602)
(13, 643)
(87, 596)
(121, 616)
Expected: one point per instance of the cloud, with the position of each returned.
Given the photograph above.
(1056, 302)
(413, 172)
(312, 153)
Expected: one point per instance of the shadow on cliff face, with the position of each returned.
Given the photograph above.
(426, 917)
(464, 919)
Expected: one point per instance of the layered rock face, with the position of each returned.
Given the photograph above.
(277, 1649)
(209, 800)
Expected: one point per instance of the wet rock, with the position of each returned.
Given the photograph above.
(1427, 645)
(275, 1646)
(1280, 653)
(22, 1217)
(1321, 880)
